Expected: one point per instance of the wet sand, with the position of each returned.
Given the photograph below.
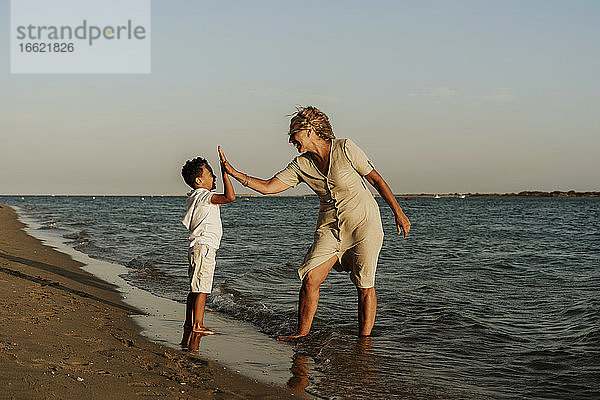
(66, 334)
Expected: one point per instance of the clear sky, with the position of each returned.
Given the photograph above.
(444, 96)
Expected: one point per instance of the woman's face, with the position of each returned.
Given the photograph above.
(300, 139)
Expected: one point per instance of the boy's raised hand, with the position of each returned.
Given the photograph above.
(229, 194)
(224, 163)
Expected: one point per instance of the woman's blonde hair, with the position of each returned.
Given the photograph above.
(311, 117)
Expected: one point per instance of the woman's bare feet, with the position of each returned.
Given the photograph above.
(292, 337)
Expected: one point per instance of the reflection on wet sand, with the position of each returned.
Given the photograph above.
(191, 340)
(356, 365)
(301, 366)
(347, 368)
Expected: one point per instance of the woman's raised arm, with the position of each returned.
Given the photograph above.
(264, 186)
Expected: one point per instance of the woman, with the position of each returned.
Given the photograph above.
(349, 233)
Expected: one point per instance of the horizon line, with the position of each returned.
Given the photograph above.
(528, 191)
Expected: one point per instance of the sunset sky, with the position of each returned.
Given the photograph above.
(444, 96)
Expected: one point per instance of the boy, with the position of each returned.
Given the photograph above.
(203, 219)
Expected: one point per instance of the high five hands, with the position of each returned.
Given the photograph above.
(225, 166)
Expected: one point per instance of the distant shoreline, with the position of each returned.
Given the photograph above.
(527, 193)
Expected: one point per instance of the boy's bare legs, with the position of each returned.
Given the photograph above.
(367, 308)
(194, 314)
(189, 318)
(194, 321)
(189, 311)
(198, 314)
(309, 298)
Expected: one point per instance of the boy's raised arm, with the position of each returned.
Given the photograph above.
(229, 194)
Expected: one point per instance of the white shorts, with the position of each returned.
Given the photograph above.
(202, 260)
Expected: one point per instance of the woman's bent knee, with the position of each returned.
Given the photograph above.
(317, 275)
(312, 280)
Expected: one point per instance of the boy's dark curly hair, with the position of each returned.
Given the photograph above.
(193, 168)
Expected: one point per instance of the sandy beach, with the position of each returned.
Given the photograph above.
(66, 334)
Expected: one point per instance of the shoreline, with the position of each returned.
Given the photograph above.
(68, 334)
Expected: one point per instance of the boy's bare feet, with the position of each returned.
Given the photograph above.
(203, 331)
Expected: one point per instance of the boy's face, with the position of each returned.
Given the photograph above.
(205, 179)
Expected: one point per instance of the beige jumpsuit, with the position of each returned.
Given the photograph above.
(349, 223)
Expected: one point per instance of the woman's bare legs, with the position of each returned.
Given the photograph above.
(309, 298)
(367, 308)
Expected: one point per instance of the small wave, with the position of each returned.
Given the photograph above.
(77, 235)
(47, 226)
(144, 270)
(233, 303)
(81, 241)
(136, 263)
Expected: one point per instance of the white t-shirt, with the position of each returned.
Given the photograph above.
(203, 219)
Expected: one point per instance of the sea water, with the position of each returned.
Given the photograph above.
(487, 298)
